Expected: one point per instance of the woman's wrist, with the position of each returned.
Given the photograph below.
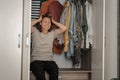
(39, 20)
(53, 21)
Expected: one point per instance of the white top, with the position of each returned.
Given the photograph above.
(89, 35)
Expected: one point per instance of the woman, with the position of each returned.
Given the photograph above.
(42, 43)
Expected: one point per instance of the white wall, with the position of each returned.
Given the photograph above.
(111, 39)
(97, 54)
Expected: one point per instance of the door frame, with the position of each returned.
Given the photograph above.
(118, 38)
(26, 40)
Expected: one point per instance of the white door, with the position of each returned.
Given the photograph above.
(11, 13)
(98, 50)
(104, 56)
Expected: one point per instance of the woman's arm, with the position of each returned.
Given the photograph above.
(33, 22)
(62, 28)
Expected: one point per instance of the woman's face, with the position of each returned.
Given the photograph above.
(46, 23)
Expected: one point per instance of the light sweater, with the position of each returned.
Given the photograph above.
(42, 45)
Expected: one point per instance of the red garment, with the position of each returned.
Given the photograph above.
(57, 48)
(45, 5)
(55, 9)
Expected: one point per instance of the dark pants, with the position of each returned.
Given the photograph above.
(38, 68)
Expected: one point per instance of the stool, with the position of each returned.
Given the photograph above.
(32, 77)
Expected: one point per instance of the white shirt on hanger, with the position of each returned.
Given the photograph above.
(89, 35)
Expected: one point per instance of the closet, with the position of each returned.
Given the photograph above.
(66, 65)
(15, 24)
(94, 64)
(61, 60)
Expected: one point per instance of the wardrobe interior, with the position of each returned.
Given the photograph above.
(78, 55)
(84, 17)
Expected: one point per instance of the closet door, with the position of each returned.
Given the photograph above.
(111, 27)
(11, 13)
(104, 56)
(26, 40)
(98, 50)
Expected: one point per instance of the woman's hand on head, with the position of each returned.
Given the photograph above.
(53, 20)
(40, 18)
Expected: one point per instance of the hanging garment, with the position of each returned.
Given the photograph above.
(57, 48)
(67, 24)
(84, 23)
(71, 32)
(79, 22)
(74, 51)
(78, 13)
(65, 19)
(56, 9)
(45, 5)
(77, 47)
(41, 1)
(89, 35)
(62, 20)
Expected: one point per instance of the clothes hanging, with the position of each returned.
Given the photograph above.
(41, 1)
(55, 9)
(45, 5)
(89, 35)
(67, 24)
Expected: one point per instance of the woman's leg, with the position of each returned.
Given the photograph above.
(37, 68)
(52, 69)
